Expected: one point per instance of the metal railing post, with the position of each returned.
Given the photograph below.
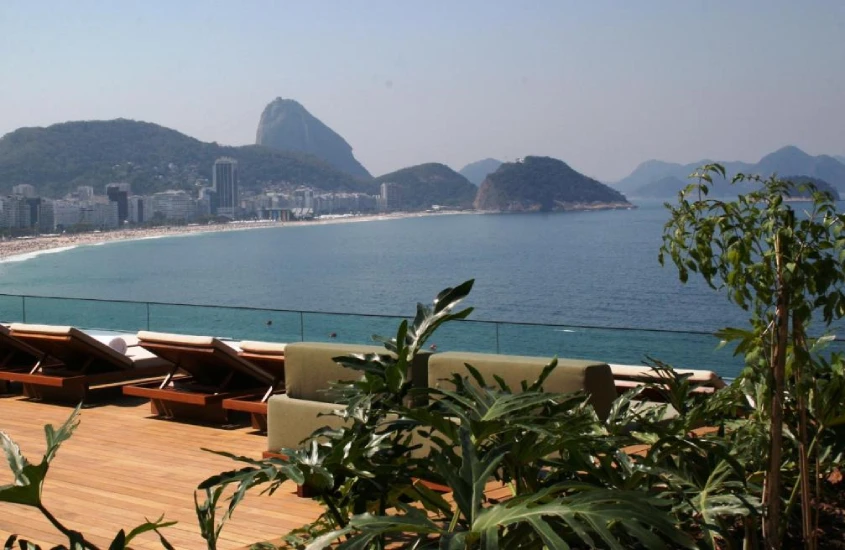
(497, 338)
(301, 326)
(148, 315)
(23, 308)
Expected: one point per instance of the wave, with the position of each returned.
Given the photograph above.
(35, 254)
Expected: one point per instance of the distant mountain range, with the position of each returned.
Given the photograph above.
(286, 125)
(543, 184)
(475, 172)
(660, 179)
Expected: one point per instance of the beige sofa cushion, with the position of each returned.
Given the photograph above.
(571, 375)
(289, 421)
(310, 368)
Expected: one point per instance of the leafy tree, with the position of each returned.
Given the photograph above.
(786, 270)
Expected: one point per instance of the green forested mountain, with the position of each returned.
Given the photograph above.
(425, 185)
(152, 158)
(286, 125)
(542, 184)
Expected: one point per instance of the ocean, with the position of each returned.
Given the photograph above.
(587, 272)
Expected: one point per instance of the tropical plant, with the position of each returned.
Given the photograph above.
(573, 479)
(26, 490)
(786, 269)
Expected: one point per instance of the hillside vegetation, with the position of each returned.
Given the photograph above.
(425, 185)
(152, 158)
(542, 184)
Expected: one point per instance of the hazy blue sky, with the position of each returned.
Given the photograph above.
(601, 85)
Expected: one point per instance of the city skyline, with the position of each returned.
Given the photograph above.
(602, 86)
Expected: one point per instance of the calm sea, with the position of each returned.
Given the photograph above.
(581, 269)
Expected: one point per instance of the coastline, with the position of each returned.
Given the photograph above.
(25, 248)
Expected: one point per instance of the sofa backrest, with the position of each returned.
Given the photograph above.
(310, 368)
(571, 375)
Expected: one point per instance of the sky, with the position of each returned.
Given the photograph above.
(602, 85)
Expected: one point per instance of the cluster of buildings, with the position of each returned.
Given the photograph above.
(25, 211)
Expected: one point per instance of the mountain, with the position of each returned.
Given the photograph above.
(152, 158)
(286, 125)
(428, 184)
(840, 158)
(820, 185)
(543, 184)
(664, 187)
(788, 160)
(475, 172)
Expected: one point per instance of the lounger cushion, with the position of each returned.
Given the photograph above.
(289, 421)
(310, 368)
(266, 348)
(571, 375)
(209, 368)
(175, 339)
(22, 330)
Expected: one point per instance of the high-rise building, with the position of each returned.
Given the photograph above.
(136, 206)
(225, 183)
(208, 197)
(390, 197)
(119, 193)
(24, 190)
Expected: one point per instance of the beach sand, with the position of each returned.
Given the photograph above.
(9, 249)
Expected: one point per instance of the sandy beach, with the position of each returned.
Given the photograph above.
(11, 248)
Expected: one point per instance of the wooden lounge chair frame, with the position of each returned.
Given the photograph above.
(17, 357)
(73, 366)
(215, 373)
(270, 356)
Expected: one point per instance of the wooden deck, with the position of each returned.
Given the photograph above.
(122, 466)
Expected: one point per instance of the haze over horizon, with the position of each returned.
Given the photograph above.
(601, 85)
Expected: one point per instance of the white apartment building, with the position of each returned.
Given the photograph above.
(174, 205)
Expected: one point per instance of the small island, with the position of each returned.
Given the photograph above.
(544, 184)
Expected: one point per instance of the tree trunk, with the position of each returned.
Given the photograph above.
(799, 351)
(772, 523)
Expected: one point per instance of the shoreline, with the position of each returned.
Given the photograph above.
(25, 248)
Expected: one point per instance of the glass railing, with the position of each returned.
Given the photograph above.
(612, 345)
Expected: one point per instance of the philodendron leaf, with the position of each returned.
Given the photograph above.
(17, 462)
(148, 526)
(56, 437)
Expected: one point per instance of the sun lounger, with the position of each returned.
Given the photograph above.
(627, 377)
(214, 370)
(270, 356)
(72, 364)
(16, 357)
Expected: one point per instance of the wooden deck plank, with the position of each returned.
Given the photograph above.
(122, 466)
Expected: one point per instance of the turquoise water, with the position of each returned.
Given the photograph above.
(577, 270)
